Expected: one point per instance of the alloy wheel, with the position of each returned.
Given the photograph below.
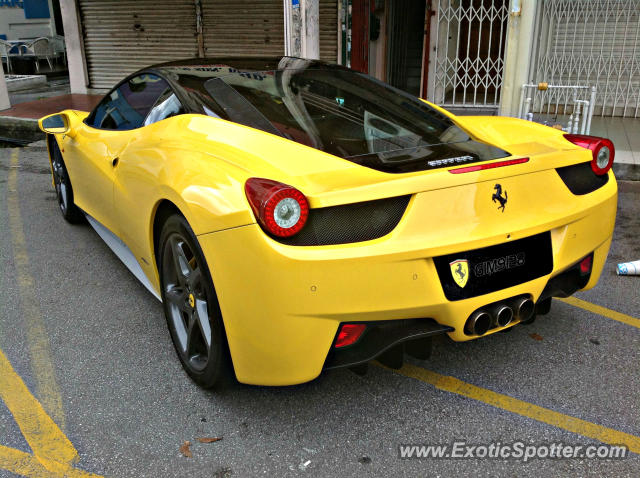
(188, 305)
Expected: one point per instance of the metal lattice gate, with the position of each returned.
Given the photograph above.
(469, 46)
(593, 43)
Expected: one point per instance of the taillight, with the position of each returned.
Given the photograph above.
(601, 148)
(349, 334)
(496, 164)
(585, 265)
(281, 210)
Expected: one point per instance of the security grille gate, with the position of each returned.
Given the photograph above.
(121, 36)
(593, 43)
(469, 44)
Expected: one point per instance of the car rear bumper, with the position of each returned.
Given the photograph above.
(282, 305)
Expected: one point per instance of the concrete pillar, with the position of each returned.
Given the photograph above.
(310, 31)
(5, 104)
(520, 41)
(75, 46)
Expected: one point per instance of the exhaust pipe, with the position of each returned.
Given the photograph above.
(503, 315)
(478, 323)
(525, 309)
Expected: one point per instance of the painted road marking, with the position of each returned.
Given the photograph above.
(53, 453)
(598, 309)
(40, 353)
(529, 410)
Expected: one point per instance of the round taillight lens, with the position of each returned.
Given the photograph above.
(280, 209)
(601, 148)
(602, 159)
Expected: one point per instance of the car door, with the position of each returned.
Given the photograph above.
(97, 144)
(137, 175)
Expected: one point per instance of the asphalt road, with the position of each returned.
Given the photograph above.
(67, 305)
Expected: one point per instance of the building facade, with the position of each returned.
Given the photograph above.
(29, 19)
(467, 55)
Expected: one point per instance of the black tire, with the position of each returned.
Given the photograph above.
(62, 183)
(188, 296)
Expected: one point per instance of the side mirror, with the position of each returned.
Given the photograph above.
(54, 124)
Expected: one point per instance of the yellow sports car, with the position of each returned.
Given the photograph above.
(295, 216)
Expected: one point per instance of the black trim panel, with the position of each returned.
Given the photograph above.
(381, 336)
(567, 283)
(497, 267)
(580, 178)
(350, 223)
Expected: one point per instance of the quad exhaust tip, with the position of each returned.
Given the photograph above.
(478, 323)
(503, 315)
(500, 315)
(525, 309)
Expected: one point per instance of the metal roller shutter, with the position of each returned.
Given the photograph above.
(121, 36)
(329, 30)
(243, 29)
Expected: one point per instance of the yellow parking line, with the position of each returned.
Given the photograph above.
(43, 371)
(598, 309)
(529, 410)
(41, 433)
(21, 463)
(53, 454)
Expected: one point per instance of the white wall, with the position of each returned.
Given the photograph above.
(76, 61)
(519, 44)
(16, 27)
(4, 94)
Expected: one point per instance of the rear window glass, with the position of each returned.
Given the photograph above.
(347, 114)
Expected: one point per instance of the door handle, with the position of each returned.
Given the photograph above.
(114, 161)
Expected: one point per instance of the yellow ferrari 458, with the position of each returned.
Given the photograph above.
(294, 216)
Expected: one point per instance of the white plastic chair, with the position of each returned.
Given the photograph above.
(40, 49)
(58, 48)
(4, 54)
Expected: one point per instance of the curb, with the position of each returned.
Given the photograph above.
(626, 171)
(20, 130)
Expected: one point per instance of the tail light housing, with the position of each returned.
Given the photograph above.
(280, 209)
(601, 148)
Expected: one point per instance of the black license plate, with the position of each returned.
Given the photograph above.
(481, 271)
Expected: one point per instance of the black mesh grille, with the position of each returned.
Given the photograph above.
(580, 178)
(357, 222)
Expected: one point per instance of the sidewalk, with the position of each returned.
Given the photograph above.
(624, 132)
(19, 123)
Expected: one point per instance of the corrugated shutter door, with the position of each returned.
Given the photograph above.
(233, 28)
(123, 36)
(329, 30)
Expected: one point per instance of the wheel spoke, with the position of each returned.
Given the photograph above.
(180, 260)
(194, 277)
(192, 332)
(181, 330)
(202, 316)
(177, 296)
(63, 195)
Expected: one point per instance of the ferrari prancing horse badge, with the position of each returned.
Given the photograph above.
(460, 271)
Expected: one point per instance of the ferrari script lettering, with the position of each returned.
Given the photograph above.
(499, 264)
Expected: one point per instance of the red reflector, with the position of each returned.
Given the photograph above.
(349, 334)
(585, 265)
(497, 164)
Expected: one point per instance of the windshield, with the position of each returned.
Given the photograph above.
(347, 114)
